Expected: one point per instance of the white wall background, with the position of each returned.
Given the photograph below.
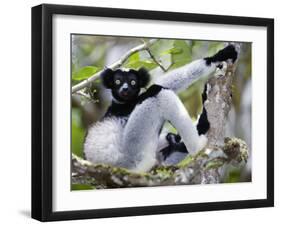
(15, 69)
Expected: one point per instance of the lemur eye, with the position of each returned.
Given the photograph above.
(117, 82)
(133, 82)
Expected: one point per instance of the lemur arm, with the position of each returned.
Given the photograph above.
(181, 78)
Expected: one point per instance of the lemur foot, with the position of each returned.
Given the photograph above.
(228, 53)
(175, 145)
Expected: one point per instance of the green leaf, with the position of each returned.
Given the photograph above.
(134, 57)
(135, 62)
(75, 187)
(84, 73)
(161, 50)
(162, 46)
(78, 133)
(181, 54)
(148, 64)
(234, 176)
(174, 50)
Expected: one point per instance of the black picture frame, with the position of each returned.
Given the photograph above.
(42, 107)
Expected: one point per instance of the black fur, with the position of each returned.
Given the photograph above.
(152, 91)
(143, 76)
(228, 52)
(107, 78)
(204, 94)
(120, 110)
(125, 109)
(119, 82)
(203, 123)
(175, 145)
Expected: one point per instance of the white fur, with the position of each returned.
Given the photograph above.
(141, 135)
(181, 78)
(103, 142)
(162, 141)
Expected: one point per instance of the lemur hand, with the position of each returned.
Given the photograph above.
(228, 53)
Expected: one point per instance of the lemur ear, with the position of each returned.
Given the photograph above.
(107, 78)
(143, 76)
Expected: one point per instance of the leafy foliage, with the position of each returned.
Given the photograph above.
(181, 54)
(135, 62)
(84, 73)
(78, 133)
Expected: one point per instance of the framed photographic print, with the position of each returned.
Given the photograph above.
(145, 112)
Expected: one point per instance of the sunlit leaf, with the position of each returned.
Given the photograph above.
(84, 73)
(174, 50)
(182, 55)
(134, 57)
(148, 64)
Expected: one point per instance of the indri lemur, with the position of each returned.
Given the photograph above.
(129, 134)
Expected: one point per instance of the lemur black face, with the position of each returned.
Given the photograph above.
(125, 85)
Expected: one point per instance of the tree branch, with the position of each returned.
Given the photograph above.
(113, 66)
(197, 169)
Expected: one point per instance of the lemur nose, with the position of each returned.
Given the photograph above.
(125, 87)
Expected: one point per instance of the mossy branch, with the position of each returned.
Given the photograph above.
(196, 169)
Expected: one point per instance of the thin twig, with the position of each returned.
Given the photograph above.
(153, 57)
(113, 66)
(155, 60)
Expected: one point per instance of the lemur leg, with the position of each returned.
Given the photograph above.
(141, 136)
(173, 110)
(175, 149)
(163, 141)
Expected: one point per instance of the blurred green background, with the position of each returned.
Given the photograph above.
(91, 54)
